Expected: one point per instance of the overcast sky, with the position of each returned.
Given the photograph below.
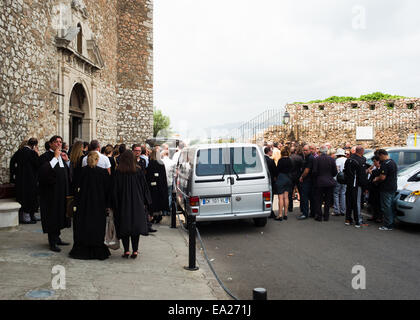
(225, 61)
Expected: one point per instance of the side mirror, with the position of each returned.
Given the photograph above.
(415, 178)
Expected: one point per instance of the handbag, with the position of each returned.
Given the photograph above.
(341, 178)
(111, 240)
(70, 208)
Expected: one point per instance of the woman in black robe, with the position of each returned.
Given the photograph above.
(90, 217)
(76, 159)
(130, 196)
(158, 186)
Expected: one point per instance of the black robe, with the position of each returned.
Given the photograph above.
(89, 220)
(53, 189)
(130, 196)
(27, 179)
(75, 176)
(13, 166)
(158, 186)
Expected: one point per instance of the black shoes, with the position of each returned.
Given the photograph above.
(134, 255)
(27, 222)
(157, 219)
(126, 255)
(55, 248)
(62, 243)
(152, 230)
(285, 217)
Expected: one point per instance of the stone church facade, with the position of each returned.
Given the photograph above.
(79, 69)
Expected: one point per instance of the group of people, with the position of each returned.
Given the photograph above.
(324, 177)
(86, 183)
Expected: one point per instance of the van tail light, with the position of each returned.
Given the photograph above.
(267, 196)
(194, 201)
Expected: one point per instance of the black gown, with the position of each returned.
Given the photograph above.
(130, 196)
(158, 186)
(53, 189)
(27, 179)
(89, 220)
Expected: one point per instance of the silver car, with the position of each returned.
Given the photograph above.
(407, 201)
(224, 182)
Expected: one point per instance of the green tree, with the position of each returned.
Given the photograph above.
(161, 124)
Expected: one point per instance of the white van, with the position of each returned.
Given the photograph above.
(224, 182)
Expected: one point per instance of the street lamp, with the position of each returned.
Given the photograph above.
(286, 117)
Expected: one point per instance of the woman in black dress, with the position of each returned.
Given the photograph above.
(283, 183)
(90, 217)
(130, 196)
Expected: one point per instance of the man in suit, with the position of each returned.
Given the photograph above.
(324, 171)
(272, 170)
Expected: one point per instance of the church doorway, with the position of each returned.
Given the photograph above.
(77, 107)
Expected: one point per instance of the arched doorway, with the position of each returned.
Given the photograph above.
(77, 108)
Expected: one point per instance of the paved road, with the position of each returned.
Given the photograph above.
(312, 260)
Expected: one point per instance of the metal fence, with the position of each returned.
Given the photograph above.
(253, 130)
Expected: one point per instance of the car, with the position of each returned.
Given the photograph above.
(405, 174)
(407, 200)
(403, 156)
(223, 182)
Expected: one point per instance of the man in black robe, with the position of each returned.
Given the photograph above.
(27, 160)
(53, 188)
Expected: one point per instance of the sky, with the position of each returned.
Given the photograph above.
(219, 63)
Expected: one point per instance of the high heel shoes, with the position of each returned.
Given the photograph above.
(134, 255)
(126, 255)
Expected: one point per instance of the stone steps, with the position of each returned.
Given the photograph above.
(9, 214)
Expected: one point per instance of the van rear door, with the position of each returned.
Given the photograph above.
(211, 181)
(250, 180)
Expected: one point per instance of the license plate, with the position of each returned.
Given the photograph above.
(215, 201)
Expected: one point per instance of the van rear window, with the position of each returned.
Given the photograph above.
(245, 160)
(211, 162)
(220, 161)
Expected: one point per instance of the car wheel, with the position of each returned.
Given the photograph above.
(260, 222)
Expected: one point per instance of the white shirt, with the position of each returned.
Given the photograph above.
(102, 163)
(60, 162)
(340, 163)
(170, 169)
(175, 157)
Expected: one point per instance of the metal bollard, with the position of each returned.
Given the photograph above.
(173, 212)
(259, 294)
(191, 250)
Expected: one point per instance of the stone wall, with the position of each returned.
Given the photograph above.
(28, 77)
(135, 70)
(336, 122)
(33, 69)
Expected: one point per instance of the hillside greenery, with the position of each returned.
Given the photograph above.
(376, 96)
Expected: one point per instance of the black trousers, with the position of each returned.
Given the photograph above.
(134, 243)
(295, 183)
(323, 195)
(54, 238)
(352, 205)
